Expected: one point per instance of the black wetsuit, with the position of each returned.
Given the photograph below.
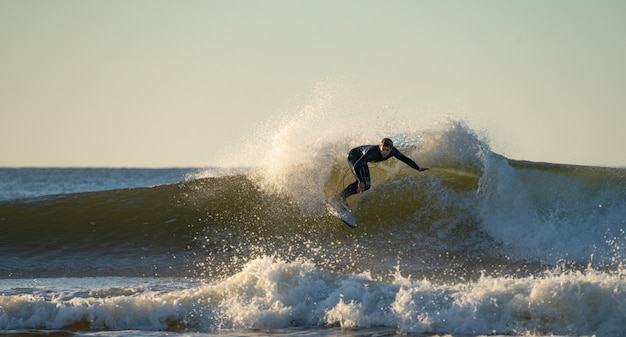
(358, 159)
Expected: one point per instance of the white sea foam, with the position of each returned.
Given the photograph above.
(555, 213)
(271, 294)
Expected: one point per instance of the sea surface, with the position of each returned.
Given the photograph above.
(478, 245)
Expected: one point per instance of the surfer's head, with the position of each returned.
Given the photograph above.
(386, 145)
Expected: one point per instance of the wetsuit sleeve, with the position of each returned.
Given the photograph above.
(396, 153)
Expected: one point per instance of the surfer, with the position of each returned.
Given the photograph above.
(358, 159)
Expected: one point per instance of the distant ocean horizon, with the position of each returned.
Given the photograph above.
(29, 182)
(478, 245)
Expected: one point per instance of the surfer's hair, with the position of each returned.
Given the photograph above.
(386, 142)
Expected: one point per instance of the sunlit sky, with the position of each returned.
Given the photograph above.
(149, 83)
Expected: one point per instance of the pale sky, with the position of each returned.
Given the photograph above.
(149, 83)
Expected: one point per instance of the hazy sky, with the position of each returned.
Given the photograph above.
(148, 83)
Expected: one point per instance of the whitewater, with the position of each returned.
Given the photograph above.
(478, 245)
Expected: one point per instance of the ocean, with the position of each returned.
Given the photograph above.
(478, 245)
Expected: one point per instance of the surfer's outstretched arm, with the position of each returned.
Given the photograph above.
(396, 153)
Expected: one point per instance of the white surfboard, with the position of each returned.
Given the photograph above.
(342, 212)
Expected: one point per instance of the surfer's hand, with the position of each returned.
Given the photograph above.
(361, 187)
(422, 169)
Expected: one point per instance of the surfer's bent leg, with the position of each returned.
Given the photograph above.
(354, 187)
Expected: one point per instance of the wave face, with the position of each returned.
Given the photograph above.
(479, 244)
(473, 204)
